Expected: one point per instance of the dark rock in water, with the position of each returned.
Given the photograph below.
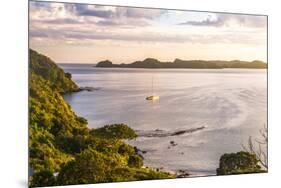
(163, 133)
(182, 174)
(178, 133)
(173, 143)
(186, 131)
(139, 151)
(89, 88)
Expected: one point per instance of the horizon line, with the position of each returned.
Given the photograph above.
(161, 61)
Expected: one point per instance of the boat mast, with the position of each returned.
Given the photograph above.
(152, 86)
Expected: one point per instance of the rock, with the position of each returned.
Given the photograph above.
(89, 88)
(164, 133)
(182, 174)
(173, 143)
(139, 151)
(177, 133)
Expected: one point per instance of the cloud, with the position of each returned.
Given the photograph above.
(60, 14)
(65, 23)
(90, 10)
(229, 19)
(115, 13)
(37, 34)
(40, 5)
(123, 23)
(139, 13)
(62, 21)
(90, 36)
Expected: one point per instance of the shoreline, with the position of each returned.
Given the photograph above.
(180, 68)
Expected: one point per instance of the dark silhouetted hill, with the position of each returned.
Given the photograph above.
(188, 64)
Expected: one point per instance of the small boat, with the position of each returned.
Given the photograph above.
(152, 97)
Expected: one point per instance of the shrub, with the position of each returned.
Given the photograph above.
(115, 131)
(238, 163)
(89, 166)
(135, 161)
(126, 149)
(43, 179)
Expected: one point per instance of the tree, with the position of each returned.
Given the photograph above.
(135, 161)
(238, 163)
(126, 149)
(258, 147)
(43, 179)
(89, 166)
(115, 131)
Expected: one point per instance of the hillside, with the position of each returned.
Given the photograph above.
(48, 70)
(190, 64)
(62, 149)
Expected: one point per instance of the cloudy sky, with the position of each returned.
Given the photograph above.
(79, 33)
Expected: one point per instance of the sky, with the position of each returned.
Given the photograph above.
(81, 33)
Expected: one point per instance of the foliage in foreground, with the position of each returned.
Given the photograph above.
(239, 163)
(259, 147)
(62, 149)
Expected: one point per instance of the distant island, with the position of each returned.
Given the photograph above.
(187, 64)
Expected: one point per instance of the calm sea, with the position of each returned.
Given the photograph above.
(225, 105)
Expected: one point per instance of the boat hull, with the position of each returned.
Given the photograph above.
(152, 98)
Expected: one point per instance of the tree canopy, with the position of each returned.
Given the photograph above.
(238, 163)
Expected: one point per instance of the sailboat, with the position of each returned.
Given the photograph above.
(152, 97)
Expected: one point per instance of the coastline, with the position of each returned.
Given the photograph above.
(60, 141)
(179, 174)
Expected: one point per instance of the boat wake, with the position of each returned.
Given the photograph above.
(163, 133)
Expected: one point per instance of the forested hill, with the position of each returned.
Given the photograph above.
(192, 64)
(48, 70)
(62, 149)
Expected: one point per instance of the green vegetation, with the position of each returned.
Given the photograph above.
(62, 149)
(135, 161)
(117, 131)
(239, 163)
(192, 64)
(48, 70)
